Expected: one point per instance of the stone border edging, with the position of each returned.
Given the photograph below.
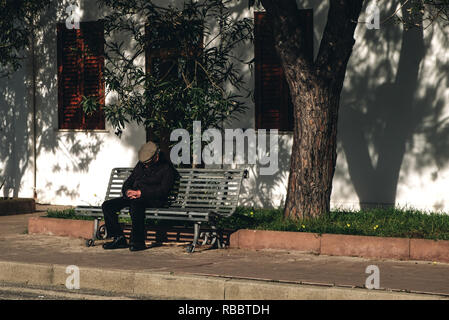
(189, 286)
(343, 245)
(61, 227)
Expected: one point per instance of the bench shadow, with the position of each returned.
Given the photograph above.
(175, 234)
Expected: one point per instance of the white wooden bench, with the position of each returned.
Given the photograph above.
(198, 196)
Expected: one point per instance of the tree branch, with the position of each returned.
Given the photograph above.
(338, 38)
(289, 35)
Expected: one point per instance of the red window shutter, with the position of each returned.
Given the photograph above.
(69, 78)
(274, 108)
(93, 64)
(80, 73)
(162, 60)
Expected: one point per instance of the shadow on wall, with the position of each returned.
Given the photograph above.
(388, 100)
(386, 105)
(268, 191)
(392, 119)
(16, 140)
(15, 151)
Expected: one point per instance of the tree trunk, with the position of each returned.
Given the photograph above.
(315, 87)
(314, 154)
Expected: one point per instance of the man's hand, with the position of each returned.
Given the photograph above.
(133, 194)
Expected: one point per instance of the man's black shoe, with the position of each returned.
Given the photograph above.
(137, 247)
(117, 243)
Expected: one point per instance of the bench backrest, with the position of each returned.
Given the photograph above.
(215, 190)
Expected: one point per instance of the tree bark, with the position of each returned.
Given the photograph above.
(313, 155)
(315, 87)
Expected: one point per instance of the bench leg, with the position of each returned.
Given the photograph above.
(99, 233)
(196, 234)
(91, 242)
(216, 241)
(213, 238)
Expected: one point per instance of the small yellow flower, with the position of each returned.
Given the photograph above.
(95, 194)
(376, 226)
(303, 226)
(251, 213)
(348, 225)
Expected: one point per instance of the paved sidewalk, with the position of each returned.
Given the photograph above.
(284, 269)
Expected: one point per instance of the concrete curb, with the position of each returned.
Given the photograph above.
(190, 286)
(343, 245)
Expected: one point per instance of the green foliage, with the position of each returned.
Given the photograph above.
(194, 73)
(16, 25)
(70, 214)
(89, 104)
(66, 214)
(423, 13)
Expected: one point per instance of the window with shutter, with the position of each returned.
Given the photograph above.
(274, 108)
(80, 75)
(167, 46)
(164, 51)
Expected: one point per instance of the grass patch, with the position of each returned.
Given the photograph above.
(70, 214)
(66, 214)
(385, 222)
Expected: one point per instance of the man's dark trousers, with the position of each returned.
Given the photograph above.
(137, 211)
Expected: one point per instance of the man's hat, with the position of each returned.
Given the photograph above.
(147, 151)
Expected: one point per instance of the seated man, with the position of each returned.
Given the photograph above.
(148, 186)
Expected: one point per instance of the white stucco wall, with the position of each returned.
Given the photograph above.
(393, 117)
(16, 162)
(72, 166)
(392, 127)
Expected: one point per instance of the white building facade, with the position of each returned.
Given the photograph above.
(393, 122)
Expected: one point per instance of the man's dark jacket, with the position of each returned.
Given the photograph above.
(154, 182)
